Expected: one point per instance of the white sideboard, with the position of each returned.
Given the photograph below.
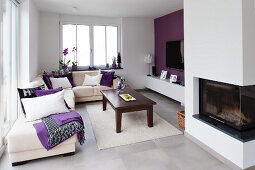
(172, 90)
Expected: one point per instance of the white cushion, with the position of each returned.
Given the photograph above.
(92, 80)
(79, 76)
(69, 98)
(60, 82)
(38, 81)
(39, 107)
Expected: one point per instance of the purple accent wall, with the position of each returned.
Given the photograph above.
(168, 28)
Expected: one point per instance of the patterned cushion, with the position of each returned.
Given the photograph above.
(28, 93)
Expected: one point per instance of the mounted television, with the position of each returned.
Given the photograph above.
(174, 54)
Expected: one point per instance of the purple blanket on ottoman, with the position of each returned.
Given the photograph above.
(56, 128)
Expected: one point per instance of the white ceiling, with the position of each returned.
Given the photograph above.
(112, 8)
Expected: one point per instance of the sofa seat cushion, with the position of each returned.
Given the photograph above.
(69, 98)
(97, 90)
(83, 91)
(23, 137)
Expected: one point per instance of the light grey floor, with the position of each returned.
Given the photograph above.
(171, 153)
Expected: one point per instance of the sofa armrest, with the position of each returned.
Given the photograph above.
(115, 83)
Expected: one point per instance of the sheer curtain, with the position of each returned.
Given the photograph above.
(8, 72)
(1, 76)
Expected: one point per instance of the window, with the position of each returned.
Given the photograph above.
(112, 43)
(96, 45)
(8, 66)
(99, 45)
(83, 44)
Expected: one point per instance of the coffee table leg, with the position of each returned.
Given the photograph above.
(150, 116)
(118, 117)
(104, 103)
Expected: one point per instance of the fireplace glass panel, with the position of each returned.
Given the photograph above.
(229, 104)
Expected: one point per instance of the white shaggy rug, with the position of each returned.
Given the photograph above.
(134, 127)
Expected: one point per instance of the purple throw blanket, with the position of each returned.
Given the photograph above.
(56, 128)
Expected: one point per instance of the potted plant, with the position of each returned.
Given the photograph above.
(74, 65)
(63, 62)
(113, 62)
(119, 60)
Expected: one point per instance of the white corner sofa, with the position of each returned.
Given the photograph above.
(23, 143)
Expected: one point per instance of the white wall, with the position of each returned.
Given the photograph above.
(79, 19)
(218, 46)
(216, 40)
(24, 43)
(248, 41)
(49, 41)
(29, 42)
(137, 41)
(33, 41)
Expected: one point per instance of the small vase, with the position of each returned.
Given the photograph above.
(74, 67)
(114, 66)
(107, 65)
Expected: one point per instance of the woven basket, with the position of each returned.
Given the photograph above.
(181, 119)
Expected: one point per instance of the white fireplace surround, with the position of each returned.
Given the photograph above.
(219, 45)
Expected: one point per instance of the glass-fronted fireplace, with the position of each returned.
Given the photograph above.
(228, 104)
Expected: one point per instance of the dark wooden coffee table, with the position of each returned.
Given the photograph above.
(120, 106)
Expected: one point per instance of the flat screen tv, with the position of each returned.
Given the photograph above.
(174, 54)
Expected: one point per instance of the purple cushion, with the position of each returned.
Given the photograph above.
(46, 79)
(107, 78)
(48, 92)
(69, 76)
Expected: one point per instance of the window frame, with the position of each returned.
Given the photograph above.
(91, 35)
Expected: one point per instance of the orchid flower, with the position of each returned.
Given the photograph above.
(74, 49)
(62, 62)
(65, 52)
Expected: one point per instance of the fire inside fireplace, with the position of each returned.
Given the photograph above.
(229, 104)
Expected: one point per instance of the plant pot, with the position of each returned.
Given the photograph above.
(114, 66)
(74, 67)
(64, 67)
(119, 65)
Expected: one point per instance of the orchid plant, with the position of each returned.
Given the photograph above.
(74, 56)
(63, 61)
